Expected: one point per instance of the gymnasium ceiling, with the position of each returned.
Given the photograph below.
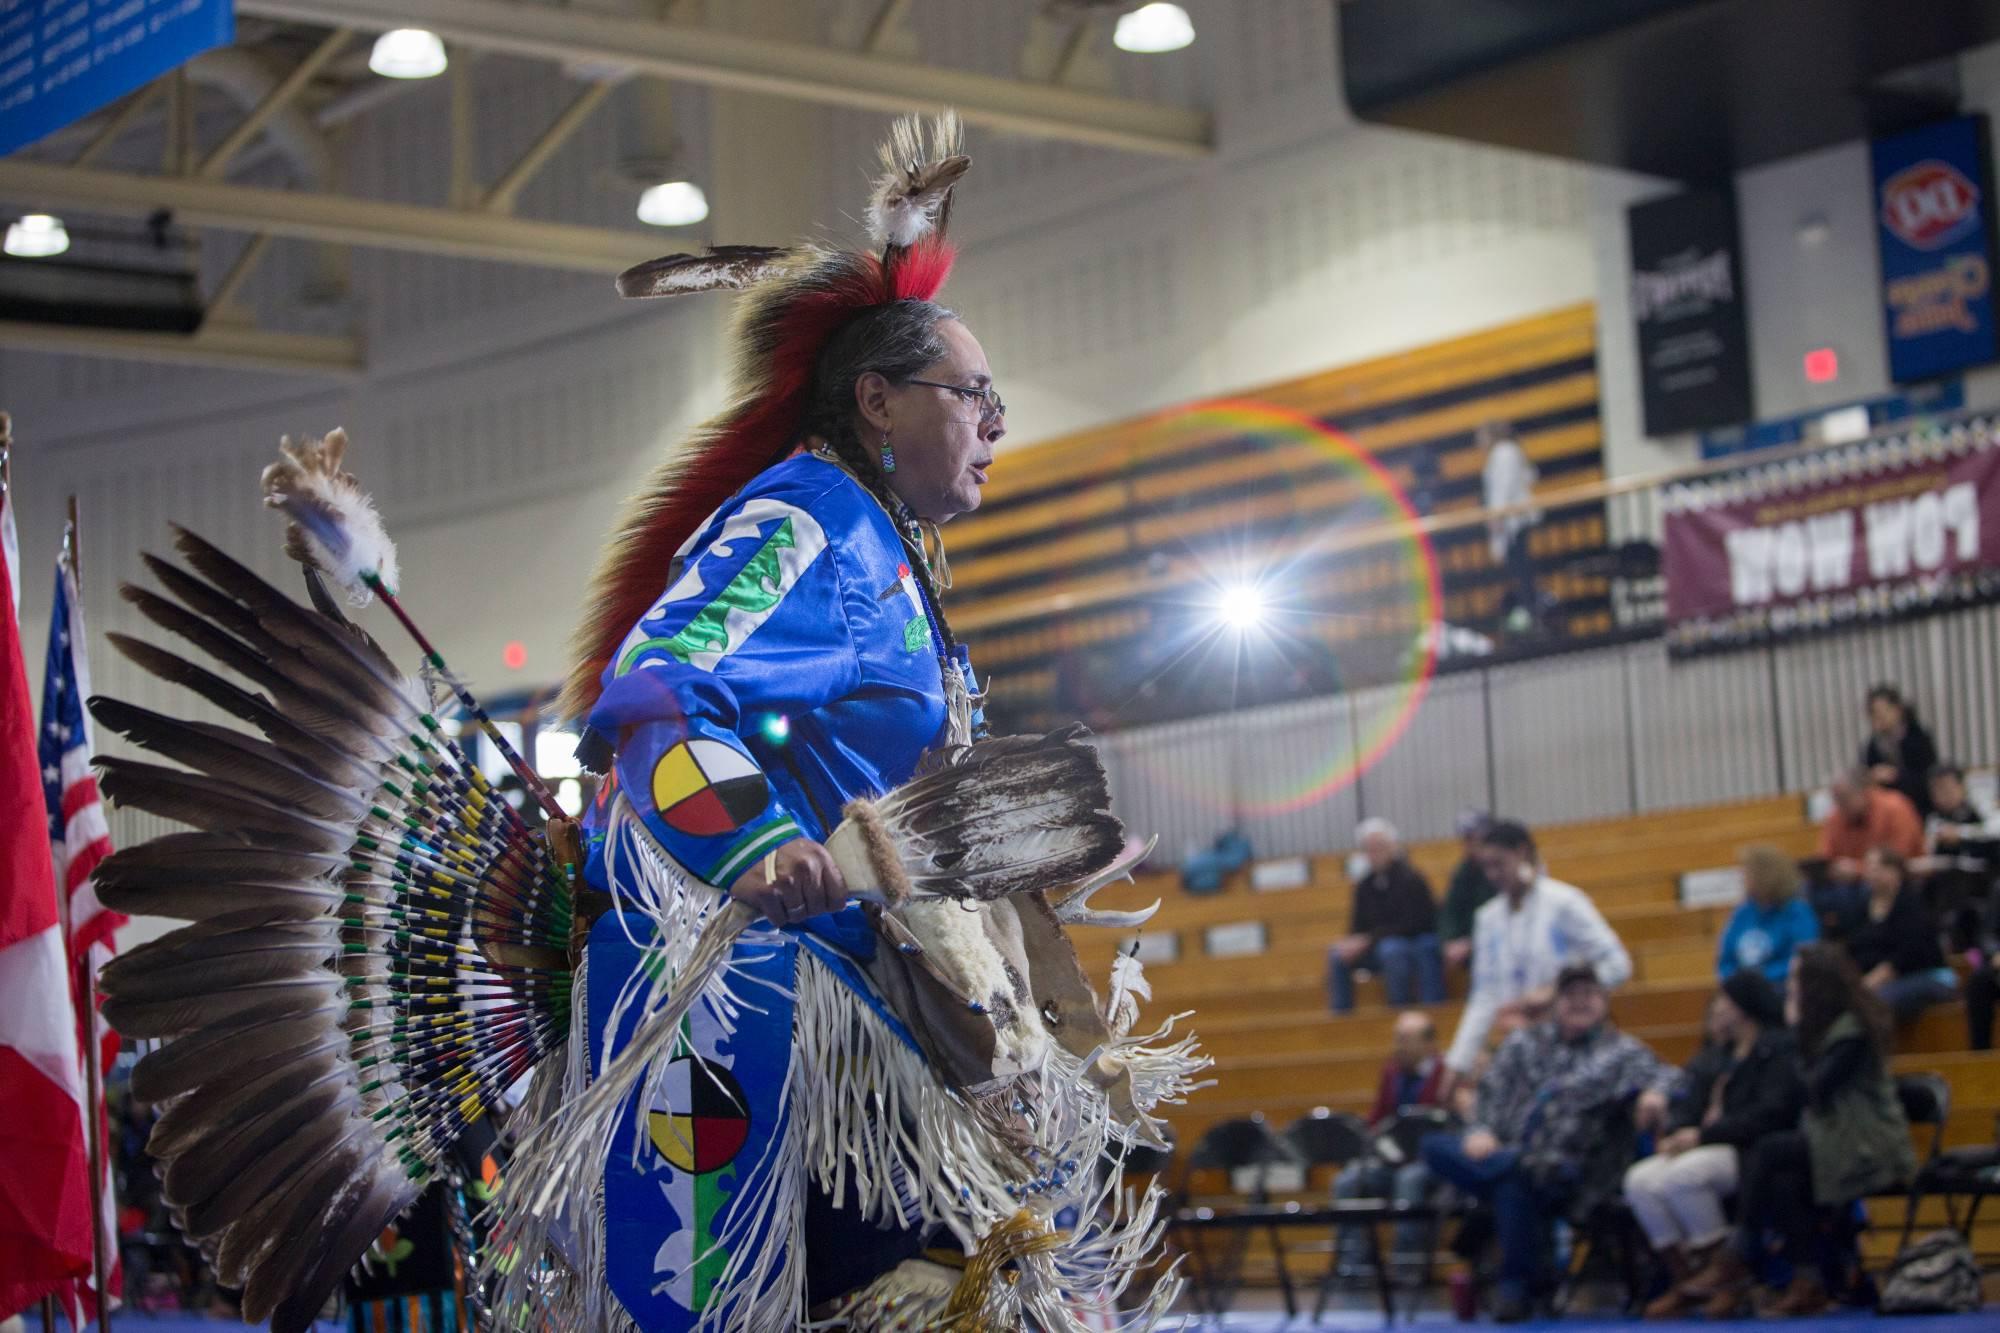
(243, 147)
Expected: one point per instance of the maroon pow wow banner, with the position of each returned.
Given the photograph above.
(1875, 532)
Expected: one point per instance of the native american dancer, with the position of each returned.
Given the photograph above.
(809, 1042)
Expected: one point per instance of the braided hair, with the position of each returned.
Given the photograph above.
(895, 341)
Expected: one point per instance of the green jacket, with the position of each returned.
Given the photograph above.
(1469, 892)
(1854, 1123)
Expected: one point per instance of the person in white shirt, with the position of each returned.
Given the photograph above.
(1509, 479)
(1523, 939)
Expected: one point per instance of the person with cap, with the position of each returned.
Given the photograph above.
(1468, 891)
(1534, 927)
(1744, 1084)
(1552, 1130)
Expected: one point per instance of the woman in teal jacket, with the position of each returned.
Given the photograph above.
(1773, 921)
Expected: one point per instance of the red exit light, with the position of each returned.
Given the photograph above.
(1822, 366)
(515, 655)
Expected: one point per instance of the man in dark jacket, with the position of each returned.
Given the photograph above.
(1392, 927)
(1545, 1108)
(1743, 1085)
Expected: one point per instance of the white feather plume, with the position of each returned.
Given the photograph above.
(916, 179)
(334, 528)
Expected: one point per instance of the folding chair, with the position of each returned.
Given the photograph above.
(1229, 1147)
(1926, 1100)
(1322, 1138)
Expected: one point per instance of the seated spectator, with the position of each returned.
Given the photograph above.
(1864, 817)
(1771, 923)
(1852, 1140)
(1896, 945)
(1899, 754)
(1414, 1076)
(1963, 866)
(1469, 891)
(1392, 927)
(1522, 940)
(1536, 1143)
(1745, 1083)
(1963, 860)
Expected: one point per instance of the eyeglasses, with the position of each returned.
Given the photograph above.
(991, 409)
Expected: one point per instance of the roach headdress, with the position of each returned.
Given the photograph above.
(793, 302)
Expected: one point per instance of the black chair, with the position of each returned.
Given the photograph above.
(1971, 1174)
(1231, 1147)
(1403, 1138)
(1926, 1100)
(1322, 1138)
(1146, 1160)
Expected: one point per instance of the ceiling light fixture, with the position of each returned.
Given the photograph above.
(1152, 29)
(408, 53)
(37, 236)
(673, 204)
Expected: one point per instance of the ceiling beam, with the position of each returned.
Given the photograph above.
(216, 164)
(505, 191)
(780, 69)
(225, 346)
(462, 233)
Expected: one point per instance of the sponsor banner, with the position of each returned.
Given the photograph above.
(1934, 224)
(1687, 303)
(1875, 532)
(60, 60)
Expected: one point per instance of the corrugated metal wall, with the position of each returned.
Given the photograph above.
(1584, 736)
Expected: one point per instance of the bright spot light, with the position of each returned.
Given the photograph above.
(408, 53)
(777, 728)
(37, 236)
(569, 796)
(1242, 606)
(673, 204)
(1152, 29)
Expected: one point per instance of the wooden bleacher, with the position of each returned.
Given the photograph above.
(1279, 1051)
(1064, 557)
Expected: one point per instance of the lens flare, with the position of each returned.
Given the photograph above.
(1241, 606)
(1263, 600)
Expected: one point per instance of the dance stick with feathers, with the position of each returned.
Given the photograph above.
(335, 529)
(377, 943)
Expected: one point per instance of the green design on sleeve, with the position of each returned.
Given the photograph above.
(757, 587)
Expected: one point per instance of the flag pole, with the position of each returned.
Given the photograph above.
(92, 1050)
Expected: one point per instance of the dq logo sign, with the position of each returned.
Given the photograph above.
(1930, 204)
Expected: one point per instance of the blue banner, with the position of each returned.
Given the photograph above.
(1908, 410)
(1934, 224)
(60, 60)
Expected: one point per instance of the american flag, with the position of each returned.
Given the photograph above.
(78, 835)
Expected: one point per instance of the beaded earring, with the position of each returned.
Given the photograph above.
(888, 454)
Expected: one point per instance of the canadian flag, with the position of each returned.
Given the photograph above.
(45, 1198)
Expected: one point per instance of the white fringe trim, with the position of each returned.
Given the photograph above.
(863, 1109)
